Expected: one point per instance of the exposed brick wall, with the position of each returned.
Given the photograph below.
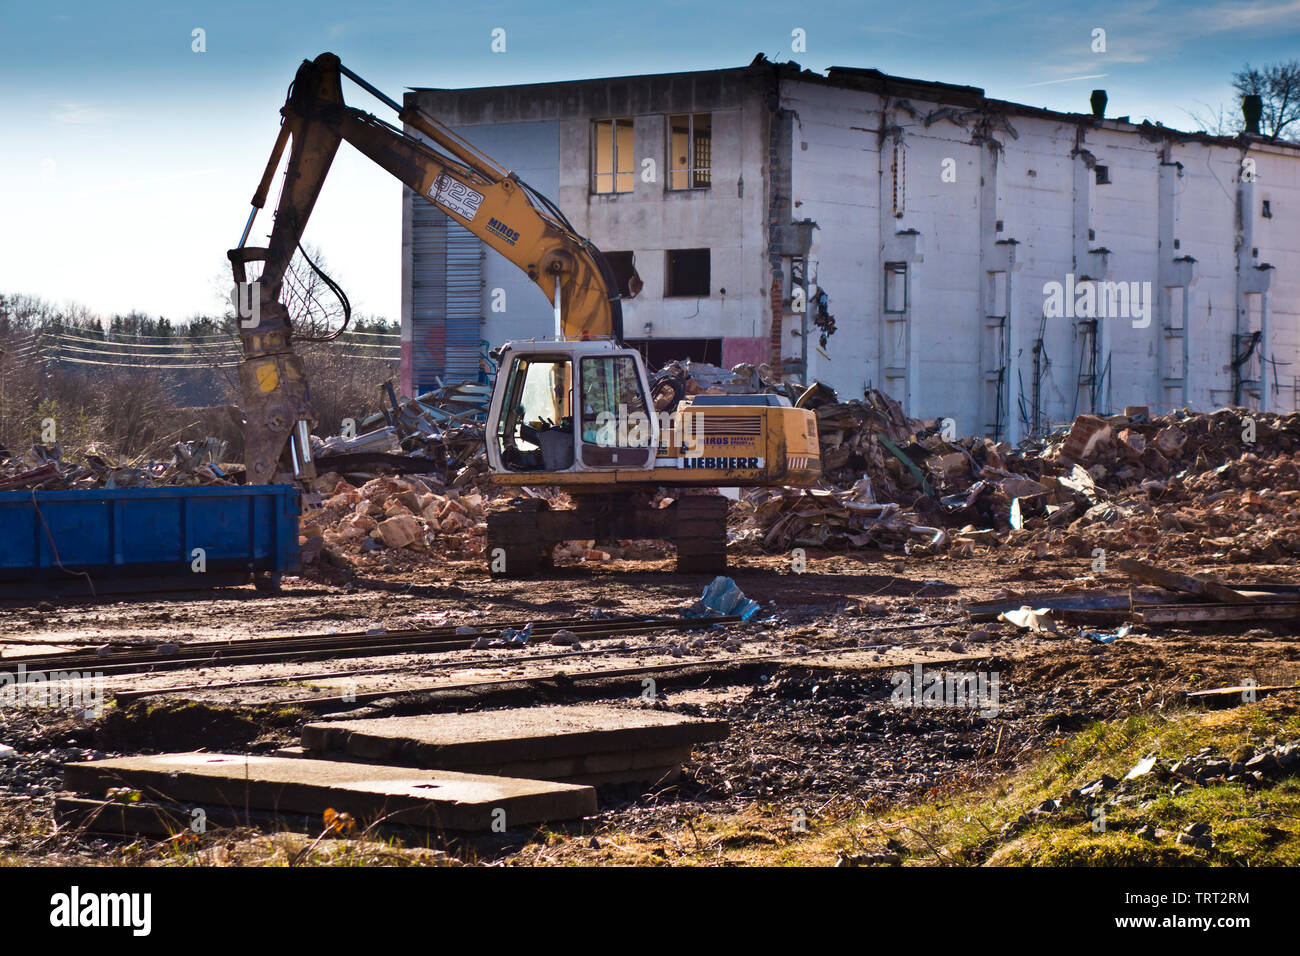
(778, 325)
(779, 188)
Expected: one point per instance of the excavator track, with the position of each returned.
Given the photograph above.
(522, 534)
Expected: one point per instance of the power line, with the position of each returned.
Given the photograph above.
(208, 365)
(227, 343)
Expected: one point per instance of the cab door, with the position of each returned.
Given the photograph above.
(617, 426)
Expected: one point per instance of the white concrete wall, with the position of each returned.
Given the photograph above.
(843, 181)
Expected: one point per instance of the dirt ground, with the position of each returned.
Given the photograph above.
(812, 726)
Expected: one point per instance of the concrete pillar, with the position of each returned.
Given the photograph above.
(999, 325)
(1174, 271)
(900, 367)
(1091, 263)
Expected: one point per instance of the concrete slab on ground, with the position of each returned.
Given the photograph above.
(437, 799)
(587, 742)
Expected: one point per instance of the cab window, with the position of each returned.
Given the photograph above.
(613, 414)
(536, 429)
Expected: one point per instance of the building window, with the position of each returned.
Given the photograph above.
(612, 161)
(895, 287)
(687, 275)
(690, 151)
(1102, 174)
(624, 266)
(659, 352)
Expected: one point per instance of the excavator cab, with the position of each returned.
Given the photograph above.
(571, 407)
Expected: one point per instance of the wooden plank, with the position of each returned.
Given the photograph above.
(1194, 613)
(1226, 691)
(1200, 586)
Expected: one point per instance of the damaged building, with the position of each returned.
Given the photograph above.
(1001, 265)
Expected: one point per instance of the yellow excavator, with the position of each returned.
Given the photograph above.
(576, 412)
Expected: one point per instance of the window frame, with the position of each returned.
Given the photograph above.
(592, 454)
(895, 269)
(668, 275)
(690, 169)
(614, 173)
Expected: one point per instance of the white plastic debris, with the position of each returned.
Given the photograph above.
(1141, 768)
(1037, 620)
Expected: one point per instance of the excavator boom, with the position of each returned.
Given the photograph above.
(493, 204)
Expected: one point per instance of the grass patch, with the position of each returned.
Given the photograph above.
(1251, 826)
(965, 827)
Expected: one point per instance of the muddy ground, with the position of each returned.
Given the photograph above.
(807, 692)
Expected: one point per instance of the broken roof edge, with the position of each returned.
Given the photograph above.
(869, 79)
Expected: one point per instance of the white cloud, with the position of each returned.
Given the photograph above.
(79, 114)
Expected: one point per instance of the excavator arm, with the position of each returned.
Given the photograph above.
(439, 166)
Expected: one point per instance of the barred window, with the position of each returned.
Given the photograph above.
(690, 151)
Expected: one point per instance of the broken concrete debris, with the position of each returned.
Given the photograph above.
(395, 513)
(1214, 485)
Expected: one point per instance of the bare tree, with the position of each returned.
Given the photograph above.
(1217, 120)
(1278, 86)
(314, 308)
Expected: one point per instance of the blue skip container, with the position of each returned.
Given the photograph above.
(101, 541)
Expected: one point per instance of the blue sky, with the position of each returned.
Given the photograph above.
(127, 160)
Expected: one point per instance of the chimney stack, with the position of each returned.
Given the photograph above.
(1098, 103)
(1251, 108)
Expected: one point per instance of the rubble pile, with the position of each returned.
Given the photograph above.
(1216, 485)
(792, 518)
(412, 515)
(44, 468)
(392, 513)
(441, 431)
(1246, 510)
